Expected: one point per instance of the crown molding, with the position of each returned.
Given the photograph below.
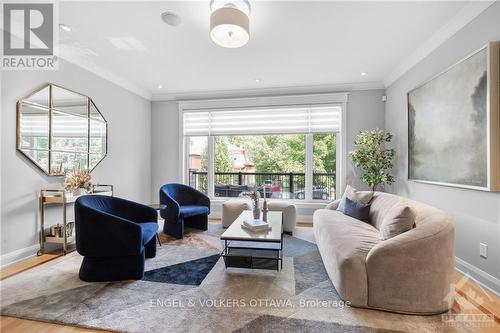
(457, 22)
(281, 91)
(461, 19)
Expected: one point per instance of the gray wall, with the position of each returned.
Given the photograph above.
(165, 162)
(476, 213)
(127, 166)
(365, 110)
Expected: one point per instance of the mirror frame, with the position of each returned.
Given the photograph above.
(50, 109)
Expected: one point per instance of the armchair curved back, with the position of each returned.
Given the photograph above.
(101, 203)
(175, 195)
(182, 194)
(109, 226)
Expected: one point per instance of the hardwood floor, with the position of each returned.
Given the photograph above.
(21, 266)
(17, 325)
(470, 296)
(470, 299)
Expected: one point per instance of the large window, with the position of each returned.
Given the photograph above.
(287, 152)
(197, 163)
(275, 163)
(324, 166)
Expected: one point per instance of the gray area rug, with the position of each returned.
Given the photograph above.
(207, 298)
(268, 324)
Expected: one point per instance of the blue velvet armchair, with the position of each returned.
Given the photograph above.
(184, 207)
(115, 236)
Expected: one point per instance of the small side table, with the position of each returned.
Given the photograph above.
(158, 207)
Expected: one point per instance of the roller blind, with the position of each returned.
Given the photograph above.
(263, 121)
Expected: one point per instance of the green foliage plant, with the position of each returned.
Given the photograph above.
(374, 160)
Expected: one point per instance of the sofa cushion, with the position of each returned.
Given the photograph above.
(148, 231)
(356, 209)
(398, 219)
(381, 204)
(344, 243)
(355, 195)
(333, 205)
(192, 210)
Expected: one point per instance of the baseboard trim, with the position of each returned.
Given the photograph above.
(18, 255)
(479, 276)
(215, 215)
(305, 218)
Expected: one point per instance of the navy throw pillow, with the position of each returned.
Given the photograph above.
(357, 210)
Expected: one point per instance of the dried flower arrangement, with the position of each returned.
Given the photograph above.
(254, 195)
(77, 180)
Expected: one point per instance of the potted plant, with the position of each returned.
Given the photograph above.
(78, 182)
(373, 158)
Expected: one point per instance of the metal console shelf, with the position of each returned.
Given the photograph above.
(59, 196)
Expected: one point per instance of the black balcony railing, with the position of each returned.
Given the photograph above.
(277, 185)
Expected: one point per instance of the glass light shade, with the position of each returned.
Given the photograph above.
(229, 27)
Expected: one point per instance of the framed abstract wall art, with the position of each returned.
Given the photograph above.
(454, 124)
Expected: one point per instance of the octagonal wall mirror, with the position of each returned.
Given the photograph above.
(60, 130)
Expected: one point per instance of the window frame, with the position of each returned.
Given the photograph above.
(331, 99)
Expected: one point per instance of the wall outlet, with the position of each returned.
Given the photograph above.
(483, 250)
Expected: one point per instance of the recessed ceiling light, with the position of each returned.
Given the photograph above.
(171, 18)
(64, 27)
(364, 73)
(257, 80)
(160, 86)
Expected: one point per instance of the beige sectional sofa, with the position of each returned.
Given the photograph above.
(409, 273)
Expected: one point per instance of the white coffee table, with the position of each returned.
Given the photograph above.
(257, 250)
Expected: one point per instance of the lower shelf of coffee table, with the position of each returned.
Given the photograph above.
(252, 258)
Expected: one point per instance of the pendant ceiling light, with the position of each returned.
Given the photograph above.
(229, 22)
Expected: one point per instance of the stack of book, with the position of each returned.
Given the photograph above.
(256, 225)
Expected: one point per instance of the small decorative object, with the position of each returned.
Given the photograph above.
(56, 231)
(254, 195)
(70, 226)
(60, 231)
(372, 158)
(256, 226)
(78, 182)
(264, 209)
(453, 124)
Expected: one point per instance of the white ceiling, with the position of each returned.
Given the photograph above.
(292, 44)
